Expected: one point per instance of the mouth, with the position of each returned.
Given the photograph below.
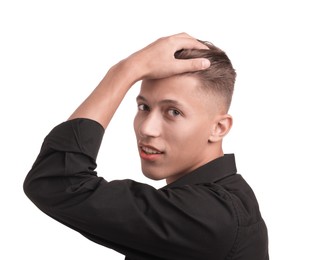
(149, 150)
(149, 153)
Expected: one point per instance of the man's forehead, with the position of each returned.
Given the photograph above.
(165, 95)
(176, 86)
(180, 90)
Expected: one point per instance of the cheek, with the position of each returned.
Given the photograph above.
(136, 124)
(188, 137)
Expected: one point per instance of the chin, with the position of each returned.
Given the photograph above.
(152, 176)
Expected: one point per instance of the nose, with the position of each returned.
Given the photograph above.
(150, 125)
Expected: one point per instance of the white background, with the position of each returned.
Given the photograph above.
(53, 53)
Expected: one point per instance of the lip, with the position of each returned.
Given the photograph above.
(147, 156)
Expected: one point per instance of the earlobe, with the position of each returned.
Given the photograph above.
(220, 128)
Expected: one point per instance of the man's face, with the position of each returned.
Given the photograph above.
(172, 127)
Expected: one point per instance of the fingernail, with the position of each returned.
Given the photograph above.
(205, 63)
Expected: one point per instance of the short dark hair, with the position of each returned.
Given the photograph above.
(220, 77)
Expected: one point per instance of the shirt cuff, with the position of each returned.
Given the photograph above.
(80, 135)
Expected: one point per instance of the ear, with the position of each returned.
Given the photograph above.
(220, 128)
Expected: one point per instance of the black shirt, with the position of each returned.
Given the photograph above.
(210, 213)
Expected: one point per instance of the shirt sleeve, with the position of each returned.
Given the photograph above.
(132, 218)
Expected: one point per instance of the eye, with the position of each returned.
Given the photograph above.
(143, 107)
(174, 112)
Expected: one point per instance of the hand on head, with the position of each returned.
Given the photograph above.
(157, 60)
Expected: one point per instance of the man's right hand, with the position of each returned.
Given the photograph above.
(157, 60)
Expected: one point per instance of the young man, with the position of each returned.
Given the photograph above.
(206, 210)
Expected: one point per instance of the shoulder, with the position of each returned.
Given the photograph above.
(243, 198)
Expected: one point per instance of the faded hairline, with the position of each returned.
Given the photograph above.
(219, 78)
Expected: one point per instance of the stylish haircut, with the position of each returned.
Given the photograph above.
(220, 77)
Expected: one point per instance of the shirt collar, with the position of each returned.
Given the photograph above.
(210, 172)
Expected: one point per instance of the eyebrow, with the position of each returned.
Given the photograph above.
(141, 98)
(164, 101)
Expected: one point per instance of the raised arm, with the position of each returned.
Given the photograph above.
(63, 182)
(154, 61)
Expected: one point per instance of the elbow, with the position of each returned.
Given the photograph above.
(31, 190)
(38, 188)
(42, 184)
(27, 188)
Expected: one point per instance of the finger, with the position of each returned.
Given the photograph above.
(190, 43)
(191, 65)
